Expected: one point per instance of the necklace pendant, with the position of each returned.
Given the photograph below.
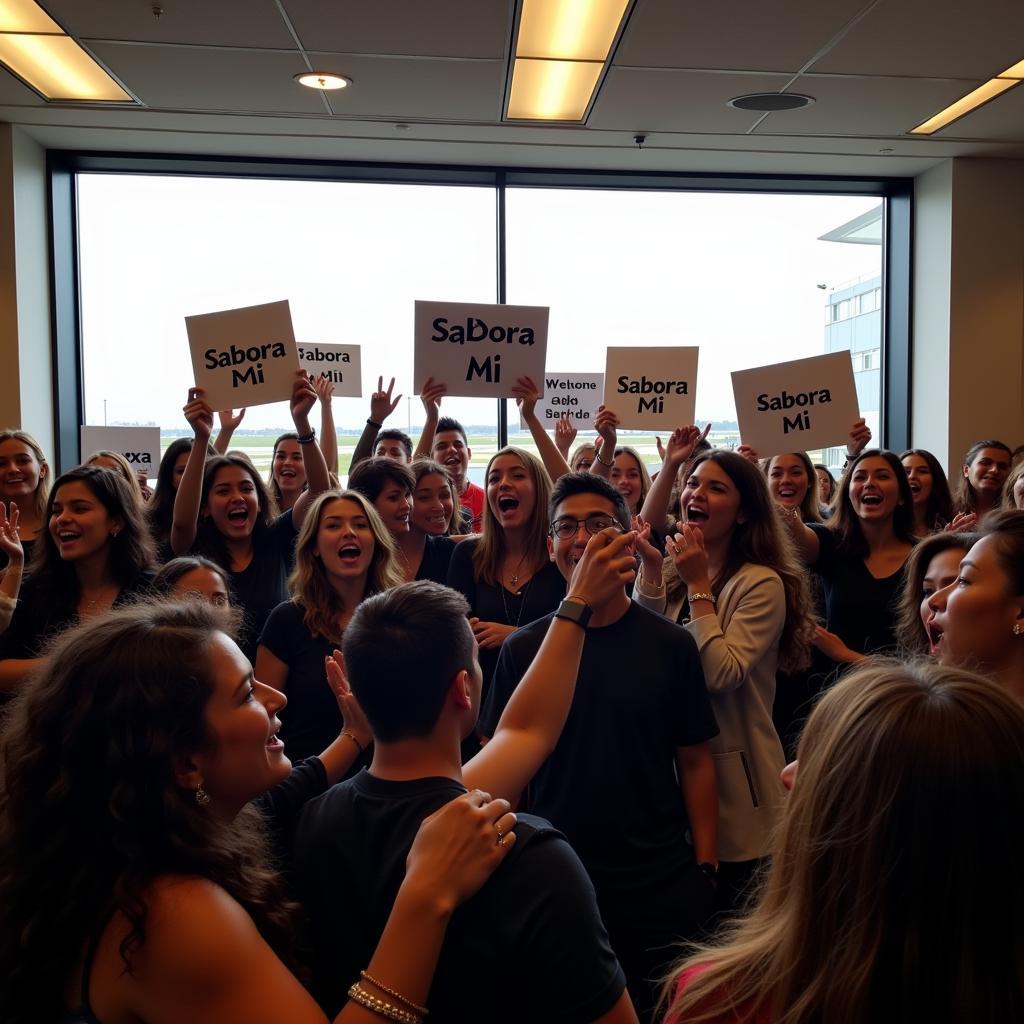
(515, 580)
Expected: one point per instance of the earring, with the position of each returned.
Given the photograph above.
(1016, 629)
(202, 797)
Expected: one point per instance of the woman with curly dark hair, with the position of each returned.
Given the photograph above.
(134, 878)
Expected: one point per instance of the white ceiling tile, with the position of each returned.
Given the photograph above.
(15, 92)
(740, 35)
(213, 22)
(455, 28)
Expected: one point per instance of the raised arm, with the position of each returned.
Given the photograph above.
(328, 435)
(607, 426)
(382, 405)
(805, 540)
(185, 522)
(10, 581)
(433, 392)
(682, 443)
(536, 712)
(317, 480)
(565, 434)
(526, 394)
(228, 424)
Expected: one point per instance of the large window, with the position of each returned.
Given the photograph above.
(749, 277)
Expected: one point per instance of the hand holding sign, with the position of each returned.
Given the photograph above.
(608, 429)
(433, 392)
(324, 387)
(860, 435)
(199, 415)
(382, 405)
(303, 396)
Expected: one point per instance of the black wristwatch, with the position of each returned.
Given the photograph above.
(574, 610)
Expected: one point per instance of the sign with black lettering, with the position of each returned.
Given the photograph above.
(244, 357)
(479, 350)
(340, 364)
(139, 445)
(652, 388)
(576, 395)
(796, 406)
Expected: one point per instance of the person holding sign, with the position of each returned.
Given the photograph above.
(625, 469)
(24, 479)
(860, 555)
(382, 405)
(527, 395)
(160, 508)
(223, 510)
(731, 579)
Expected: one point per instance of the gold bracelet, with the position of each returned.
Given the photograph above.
(381, 1007)
(362, 749)
(708, 596)
(421, 1010)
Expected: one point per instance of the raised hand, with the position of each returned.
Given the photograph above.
(682, 443)
(748, 453)
(526, 395)
(324, 388)
(303, 397)
(10, 540)
(199, 415)
(607, 426)
(458, 847)
(649, 554)
(382, 405)
(661, 448)
(691, 558)
(431, 395)
(228, 419)
(565, 434)
(607, 565)
(353, 719)
(860, 435)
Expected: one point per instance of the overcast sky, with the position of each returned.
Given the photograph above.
(736, 274)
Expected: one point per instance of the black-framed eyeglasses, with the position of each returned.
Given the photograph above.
(567, 527)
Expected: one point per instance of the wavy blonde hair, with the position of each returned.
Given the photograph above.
(43, 488)
(863, 914)
(490, 549)
(310, 588)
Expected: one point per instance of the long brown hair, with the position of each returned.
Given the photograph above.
(91, 814)
(863, 915)
(43, 487)
(322, 606)
(810, 507)
(939, 510)
(123, 468)
(964, 498)
(760, 539)
(490, 549)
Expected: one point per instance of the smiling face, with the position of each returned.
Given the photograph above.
(942, 570)
(973, 618)
(451, 450)
(874, 489)
(711, 501)
(79, 522)
(394, 503)
(245, 758)
(432, 505)
(824, 486)
(625, 476)
(787, 480)
(919, 476)
(988, 471)
(510, 491)
(289, 469)
(20, 472)
(233, 502)
(204, 584)
(345, 543)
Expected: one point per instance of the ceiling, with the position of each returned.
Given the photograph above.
(215, 77)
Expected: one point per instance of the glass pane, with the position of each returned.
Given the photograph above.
(748, 278)
(350, 257)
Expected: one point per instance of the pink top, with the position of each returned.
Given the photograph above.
(726, 1018)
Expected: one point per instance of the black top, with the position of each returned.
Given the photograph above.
(37, 619)
(311, 720)
(541, 594)
(610, 785)
(437, 555)
(529, 946)
(27, 547)
(859, 608)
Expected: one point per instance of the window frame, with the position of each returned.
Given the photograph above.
(66, 323)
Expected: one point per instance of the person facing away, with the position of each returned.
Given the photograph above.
(631, 781)
(531, 945)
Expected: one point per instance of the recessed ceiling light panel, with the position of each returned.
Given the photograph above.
(770, 102)
(322, 80)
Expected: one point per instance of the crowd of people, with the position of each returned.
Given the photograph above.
(723, 739)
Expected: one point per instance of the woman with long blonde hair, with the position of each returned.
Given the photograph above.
(343, 554)
(863, 916)
(25, 483)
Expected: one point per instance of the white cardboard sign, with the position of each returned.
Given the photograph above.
(796, 406)
(577, 395)
(478, 349)
(244, 357)
(139, 445)
(339, 363)
(652, 388)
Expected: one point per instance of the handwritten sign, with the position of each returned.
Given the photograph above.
(340, 364)
(651, 387)
(576, 395)
(244, 357)
(479, 350)
(795, 406)
(139, 445)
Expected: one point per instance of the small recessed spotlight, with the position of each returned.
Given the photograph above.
(322, 80)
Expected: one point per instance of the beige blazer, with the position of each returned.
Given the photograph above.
(739, 650)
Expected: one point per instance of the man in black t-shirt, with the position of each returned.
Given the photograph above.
(631, 782)
(530, 945)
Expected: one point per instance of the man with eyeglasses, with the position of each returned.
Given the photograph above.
(631, 782)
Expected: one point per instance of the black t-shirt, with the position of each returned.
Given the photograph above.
(437, 556)
(610, 785)
(311, 720)
(859, 608)
(529, 946)
(541, 594)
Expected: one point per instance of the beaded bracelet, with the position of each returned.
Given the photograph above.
(307, 438)
(702, 597)
(421, 1010)
(381, 1007)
